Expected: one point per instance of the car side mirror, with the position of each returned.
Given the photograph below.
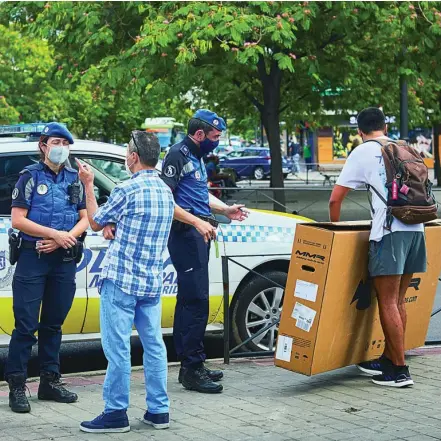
(222, 219)
(102, 200)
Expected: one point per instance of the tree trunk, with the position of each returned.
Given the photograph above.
(270, 117)
(436, 149)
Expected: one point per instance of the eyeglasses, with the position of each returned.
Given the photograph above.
(134, 141)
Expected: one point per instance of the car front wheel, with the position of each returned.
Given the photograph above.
(258, 304)
(259, 173)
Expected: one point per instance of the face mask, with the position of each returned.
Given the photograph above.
(207, 146)
(58, 155)
(129, 172)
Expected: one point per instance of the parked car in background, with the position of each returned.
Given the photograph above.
(222, 150)
(252, 163)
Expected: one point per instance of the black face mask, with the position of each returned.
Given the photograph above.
(207, 146)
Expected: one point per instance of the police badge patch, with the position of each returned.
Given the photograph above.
(197, 175)
(42, 189)
(170, 171)
(15, 193)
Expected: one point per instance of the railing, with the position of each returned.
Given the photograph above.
(232, 353)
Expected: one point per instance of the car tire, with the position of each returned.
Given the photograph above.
(248, 297)
(259, 173)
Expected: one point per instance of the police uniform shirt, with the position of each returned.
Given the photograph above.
(23, 191)
(183, 170)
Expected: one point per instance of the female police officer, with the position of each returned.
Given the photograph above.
(48, 208)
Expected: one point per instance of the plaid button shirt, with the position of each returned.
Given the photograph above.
(142, 209)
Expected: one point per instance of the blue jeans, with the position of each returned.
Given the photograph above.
(118, 312)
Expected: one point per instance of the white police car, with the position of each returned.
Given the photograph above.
(263, 243)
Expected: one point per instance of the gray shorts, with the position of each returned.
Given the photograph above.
(402, 252)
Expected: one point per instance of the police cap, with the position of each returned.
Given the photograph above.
(55, 129)
(211, 118)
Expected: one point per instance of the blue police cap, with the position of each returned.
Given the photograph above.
(57, 130)
(211, 118)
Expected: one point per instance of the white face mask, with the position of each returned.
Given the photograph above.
(58, 154)
(129, 172)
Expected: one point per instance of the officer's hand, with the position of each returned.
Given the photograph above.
(207, 230)
(84, 172)
(64, 239)
(48, 246)
(237, 212)
(109, 231)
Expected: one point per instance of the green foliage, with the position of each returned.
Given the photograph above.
(120, 62)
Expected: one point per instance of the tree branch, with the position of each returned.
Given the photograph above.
(297, 99)
(261, 68)
(253, 99)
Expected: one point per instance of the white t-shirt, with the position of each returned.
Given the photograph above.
(365, 166)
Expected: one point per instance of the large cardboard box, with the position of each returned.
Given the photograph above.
(330, 313)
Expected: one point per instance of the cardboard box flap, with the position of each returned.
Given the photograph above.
(342, 226)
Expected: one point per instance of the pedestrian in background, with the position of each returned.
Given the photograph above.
(141, 210)
(184, 172)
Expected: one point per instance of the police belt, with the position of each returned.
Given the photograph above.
(183, 226)
(69, 254)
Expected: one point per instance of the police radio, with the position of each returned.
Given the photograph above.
(74, 191)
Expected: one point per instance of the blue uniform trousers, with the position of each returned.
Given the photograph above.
(189, 254)
(48, 283)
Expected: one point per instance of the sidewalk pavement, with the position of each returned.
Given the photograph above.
(260, 402)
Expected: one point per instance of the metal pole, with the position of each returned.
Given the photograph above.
(404, 109)
(226, 284)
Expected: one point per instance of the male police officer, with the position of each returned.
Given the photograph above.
(189, 244)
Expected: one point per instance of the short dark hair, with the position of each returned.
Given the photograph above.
(43, 140)
(196, 124)
(371, 120)
(146, 145)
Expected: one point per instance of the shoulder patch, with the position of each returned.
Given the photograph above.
(184, 149)
(170, 171)
(15, 193)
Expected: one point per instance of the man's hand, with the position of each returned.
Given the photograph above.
(207, 230)
(85, 172)
(64, 239)
(109, 231)
(48, 246)
(237, 212)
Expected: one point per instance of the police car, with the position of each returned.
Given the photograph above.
(263, 242)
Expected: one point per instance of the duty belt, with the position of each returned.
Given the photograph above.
(211, 220)
(178, 225)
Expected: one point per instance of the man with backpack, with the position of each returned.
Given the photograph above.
(401, 202)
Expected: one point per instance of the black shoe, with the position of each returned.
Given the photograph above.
(198, 380)
(17, 395)
(394, 376)
(375, 367)
(51, 389)
(214, 375)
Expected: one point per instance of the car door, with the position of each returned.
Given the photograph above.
(236, 161)
(10, 167)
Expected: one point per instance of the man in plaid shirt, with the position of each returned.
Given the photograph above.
(131, 283)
